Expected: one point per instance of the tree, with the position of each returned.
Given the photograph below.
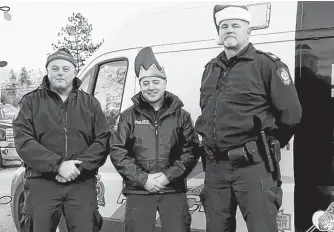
(24, 83)
(8, 94)
(18, 84)
(76, 37)
(24, 79)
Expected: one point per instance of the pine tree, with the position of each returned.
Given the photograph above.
(24, 78)
(76, 37)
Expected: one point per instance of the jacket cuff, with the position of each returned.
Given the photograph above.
(142, 178)
(80, 168)
(172, 173)
(57, 166)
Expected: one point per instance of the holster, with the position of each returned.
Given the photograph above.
(272, 156)
(275, 151)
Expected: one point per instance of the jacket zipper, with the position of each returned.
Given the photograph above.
(156, 127)
(156, 132)
(156, 145)
(216, 105)
(65, 130)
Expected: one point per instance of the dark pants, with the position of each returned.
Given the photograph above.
(45, 200)
(140, 214)
(252, 188)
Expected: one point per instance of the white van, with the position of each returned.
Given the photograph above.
(183, 39)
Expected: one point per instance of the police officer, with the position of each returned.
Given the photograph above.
(244, 92)
(154, 149)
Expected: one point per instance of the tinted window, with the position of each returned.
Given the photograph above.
(109, 89)
(316, 15)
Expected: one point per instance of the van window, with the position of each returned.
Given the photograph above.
(260, 15)
(86, 80)
(316, 15)
(109, 89)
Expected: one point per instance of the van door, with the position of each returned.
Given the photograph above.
(313, 149)
(111, 79)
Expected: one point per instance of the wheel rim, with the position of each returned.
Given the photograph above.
(20, 206)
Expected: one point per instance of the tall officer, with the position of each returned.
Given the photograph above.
(250, 110)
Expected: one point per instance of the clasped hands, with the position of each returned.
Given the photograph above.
(68, 171)
(156, 182)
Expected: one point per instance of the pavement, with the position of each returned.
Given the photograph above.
(6, 222)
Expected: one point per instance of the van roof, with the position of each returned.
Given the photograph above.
(191, 22)
(150, 29)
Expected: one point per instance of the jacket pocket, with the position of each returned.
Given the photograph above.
(130, 219)
(273, 193)
(185, 216)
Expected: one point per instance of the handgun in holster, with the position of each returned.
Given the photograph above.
(275, 149)
(271, 149)
(272, 156)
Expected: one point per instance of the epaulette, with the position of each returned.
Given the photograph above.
(214, 60)
(269, 54)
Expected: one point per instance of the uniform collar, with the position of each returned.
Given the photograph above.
(171, 101)
(46, 83)
(248, 53)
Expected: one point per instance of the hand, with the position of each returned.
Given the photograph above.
(61, 179)
(68, 170)
(151, 184)
(162, 179)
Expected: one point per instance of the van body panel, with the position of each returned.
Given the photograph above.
(184, 40)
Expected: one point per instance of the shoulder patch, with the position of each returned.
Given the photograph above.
(283, 73)
(269, 54)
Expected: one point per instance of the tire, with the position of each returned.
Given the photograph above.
(17, 206)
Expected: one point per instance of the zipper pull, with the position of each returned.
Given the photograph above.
(156, 127)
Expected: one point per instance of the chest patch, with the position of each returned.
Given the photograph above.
(142, 122)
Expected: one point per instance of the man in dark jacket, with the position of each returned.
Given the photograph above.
(62, 136)
(247, 97)
(154, 151)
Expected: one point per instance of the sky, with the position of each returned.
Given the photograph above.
(26, 40)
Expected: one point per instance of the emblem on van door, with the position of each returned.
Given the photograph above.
(283, 221)
(100, 191)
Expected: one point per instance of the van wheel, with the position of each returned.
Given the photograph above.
(17, 207)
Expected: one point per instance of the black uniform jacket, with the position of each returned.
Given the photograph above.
(48, 131)
(145, 144)
(252, 83)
